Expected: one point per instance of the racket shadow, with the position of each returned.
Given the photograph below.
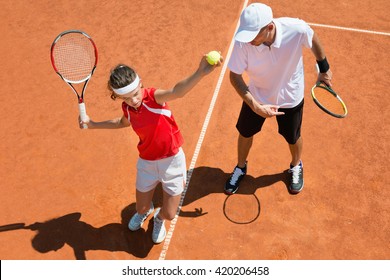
(14, 226)
(52, 235)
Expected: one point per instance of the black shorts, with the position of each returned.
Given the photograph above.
(249, 123)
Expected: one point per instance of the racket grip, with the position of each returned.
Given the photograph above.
(83, 114)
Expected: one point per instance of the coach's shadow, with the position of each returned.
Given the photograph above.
(208, 180)
(52, 235)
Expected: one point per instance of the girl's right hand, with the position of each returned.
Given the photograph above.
(84, 124)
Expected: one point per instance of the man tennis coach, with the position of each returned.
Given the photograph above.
(269, 50)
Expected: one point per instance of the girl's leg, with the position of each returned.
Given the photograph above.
(143, 201)
(144, 208)
(169, 208)
(166, 212)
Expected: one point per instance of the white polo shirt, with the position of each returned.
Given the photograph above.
(275, 73)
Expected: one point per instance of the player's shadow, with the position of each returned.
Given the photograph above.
(52, 235)
(208, 180)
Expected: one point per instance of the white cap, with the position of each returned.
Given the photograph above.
(252, 19)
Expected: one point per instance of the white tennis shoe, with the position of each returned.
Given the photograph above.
(159, 231)
(138, 220)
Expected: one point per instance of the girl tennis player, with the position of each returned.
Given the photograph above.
(161, 158)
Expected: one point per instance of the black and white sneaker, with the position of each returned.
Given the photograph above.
(296, 184)
(234, 180)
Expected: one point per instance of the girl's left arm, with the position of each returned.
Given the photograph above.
(184, 86)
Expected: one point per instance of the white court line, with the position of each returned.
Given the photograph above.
(350, 29)
(206, 123)
(198, 146)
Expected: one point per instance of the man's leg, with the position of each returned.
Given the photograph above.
(296, 152)
(243, 147)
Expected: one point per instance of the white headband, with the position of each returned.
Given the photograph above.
(129, 88)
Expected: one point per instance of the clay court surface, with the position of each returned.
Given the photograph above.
(74, 190)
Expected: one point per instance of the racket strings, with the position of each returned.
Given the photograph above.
(329, 101)
(74, 57)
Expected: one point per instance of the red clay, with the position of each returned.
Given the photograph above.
(74, 190)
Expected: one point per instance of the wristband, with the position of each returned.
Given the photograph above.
(323, 65)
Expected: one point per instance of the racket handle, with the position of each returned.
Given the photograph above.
(83, 114)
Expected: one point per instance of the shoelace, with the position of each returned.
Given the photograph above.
(141, 218)
(296, 171)
(236, 174)
(157, 225)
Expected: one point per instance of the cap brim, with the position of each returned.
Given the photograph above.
(245, 36)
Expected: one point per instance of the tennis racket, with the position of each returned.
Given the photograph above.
(328, 100)
(74, 57)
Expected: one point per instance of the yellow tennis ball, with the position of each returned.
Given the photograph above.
(213, 57)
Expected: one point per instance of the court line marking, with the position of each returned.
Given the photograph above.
(199, 145)
(350, 29)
